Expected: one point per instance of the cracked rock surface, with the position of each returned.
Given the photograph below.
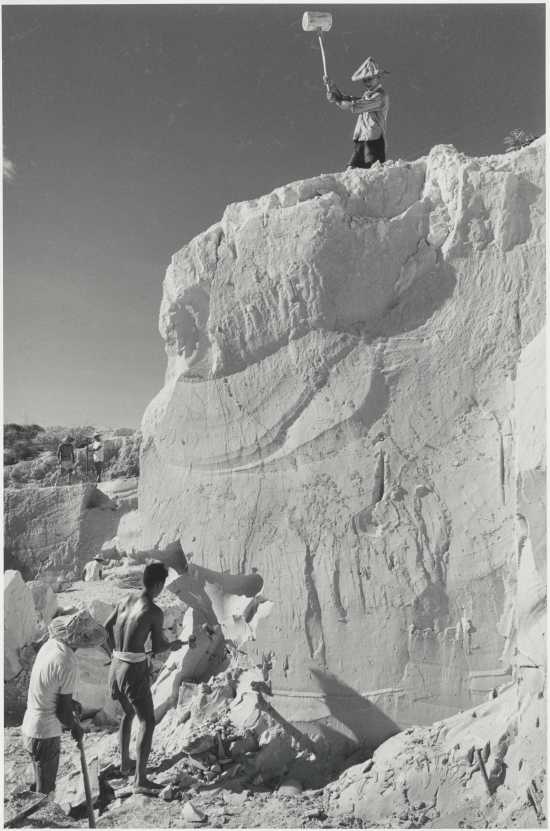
(353, 409)
(342, 411)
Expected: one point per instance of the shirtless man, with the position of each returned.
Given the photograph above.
(128, 627)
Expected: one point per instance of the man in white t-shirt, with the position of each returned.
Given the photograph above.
(50, 703)
(98, 455)
(93, 570)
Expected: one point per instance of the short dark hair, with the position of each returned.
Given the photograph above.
(153, 574)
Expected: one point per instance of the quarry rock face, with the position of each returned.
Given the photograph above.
(350, 408)
(435, 772)
(53, 532)
(42, 527)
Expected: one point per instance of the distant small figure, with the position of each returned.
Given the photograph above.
(97, 455)
(66, 457)
(93, 570)
(372, 107)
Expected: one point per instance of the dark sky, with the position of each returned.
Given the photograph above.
(131, 127)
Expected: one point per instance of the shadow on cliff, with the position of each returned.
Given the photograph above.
(417, 303)
(346, 736)
(360, 716)
(99, 521)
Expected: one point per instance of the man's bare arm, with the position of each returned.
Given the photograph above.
(158, 641)
(109, 626)
(66, 714)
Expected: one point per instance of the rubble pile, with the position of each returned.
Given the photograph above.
(476, 767)
(228, 730)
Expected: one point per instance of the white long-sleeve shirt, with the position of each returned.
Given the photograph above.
(372, 109)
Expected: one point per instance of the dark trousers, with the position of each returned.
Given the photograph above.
(366, 153)
(45, 760)
(98, 468)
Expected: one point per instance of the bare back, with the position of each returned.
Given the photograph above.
(136, 619)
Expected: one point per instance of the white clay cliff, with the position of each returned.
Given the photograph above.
(354, 409)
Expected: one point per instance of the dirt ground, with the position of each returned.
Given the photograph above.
(231, 806)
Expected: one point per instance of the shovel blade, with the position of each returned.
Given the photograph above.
(317, 21)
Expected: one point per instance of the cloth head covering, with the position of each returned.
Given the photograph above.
(368, 69)
(78, 630)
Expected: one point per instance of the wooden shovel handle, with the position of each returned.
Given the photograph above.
(87, 788)
(323, 56)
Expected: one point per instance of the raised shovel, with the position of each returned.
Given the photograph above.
(318, 22)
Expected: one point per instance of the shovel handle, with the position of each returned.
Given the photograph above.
(323, 56)
(87, 788)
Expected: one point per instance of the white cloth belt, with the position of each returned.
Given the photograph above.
(130, 657)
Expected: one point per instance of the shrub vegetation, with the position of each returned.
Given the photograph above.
(30, 454)
(516, 139)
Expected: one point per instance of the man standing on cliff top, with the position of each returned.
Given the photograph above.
(66, 457)
(128, 628)
(98, 456)
(372, 108)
